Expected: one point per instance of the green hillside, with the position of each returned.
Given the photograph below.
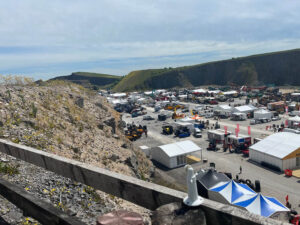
(279, 68)
(91, 79)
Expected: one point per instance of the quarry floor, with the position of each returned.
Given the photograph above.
(272, 183)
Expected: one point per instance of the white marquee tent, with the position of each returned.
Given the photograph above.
(281, 150)
(174, 155)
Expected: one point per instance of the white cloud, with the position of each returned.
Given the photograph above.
(78, 31)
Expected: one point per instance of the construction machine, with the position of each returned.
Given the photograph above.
(167, 129)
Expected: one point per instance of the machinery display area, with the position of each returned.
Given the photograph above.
(208, 127)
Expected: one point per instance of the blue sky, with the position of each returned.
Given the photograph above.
(43, 39)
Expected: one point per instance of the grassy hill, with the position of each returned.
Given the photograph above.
(91, 79)
(279, 68)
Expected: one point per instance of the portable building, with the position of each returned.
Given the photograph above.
(237, 116)
(145, 149)
(174, 155)
(279, 151)
(244, 109)
(225, 110)
(294, 122)
(276, 106)
(240, 139)
(217, 136)
(263, 114)
(188, 125)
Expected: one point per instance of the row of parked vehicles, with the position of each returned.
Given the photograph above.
(181, 131)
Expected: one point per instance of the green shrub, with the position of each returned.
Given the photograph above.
(34, 110)
(8, 169)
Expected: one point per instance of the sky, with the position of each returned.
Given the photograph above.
(44, 39)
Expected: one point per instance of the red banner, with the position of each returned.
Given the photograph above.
(249, 130)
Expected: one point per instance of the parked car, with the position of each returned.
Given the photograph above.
(209, 115)
(161, 117)
(197, 133)
(148, 118)
(275, 118)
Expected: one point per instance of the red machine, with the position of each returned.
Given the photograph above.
(296, 220)
(288, 172)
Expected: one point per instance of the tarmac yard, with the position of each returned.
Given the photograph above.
(272, 183)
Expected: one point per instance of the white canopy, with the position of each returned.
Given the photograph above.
(262, 114)
(180, 148)
(118, 95)
(245, 108)
(295, 119)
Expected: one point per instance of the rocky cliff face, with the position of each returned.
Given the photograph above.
(70, 121)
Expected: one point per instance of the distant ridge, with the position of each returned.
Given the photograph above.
(91, 79)
(279, 68)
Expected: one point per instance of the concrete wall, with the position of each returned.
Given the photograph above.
(142, 193)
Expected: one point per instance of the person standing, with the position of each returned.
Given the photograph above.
(241, 170)
(146, 131)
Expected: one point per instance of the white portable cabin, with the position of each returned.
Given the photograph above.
(240, 139)
(238, 116)
(217, 135)
(145, 149)
(244, 109)
(223, 110)
(174, 155)
(281, 150)
(188, 125)
(263, 114)
(294, 122)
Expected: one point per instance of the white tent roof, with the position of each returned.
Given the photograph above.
(182, 96)
(262, 111)
(278, 145)
(200, 90)
(180, 148)
(214, 91)
(118, 101)
(183, 123)
(295, 94)
(245, 108)
(186, 119)
(295, 119)
(118, 95)
(230, 92)
(225, 107)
